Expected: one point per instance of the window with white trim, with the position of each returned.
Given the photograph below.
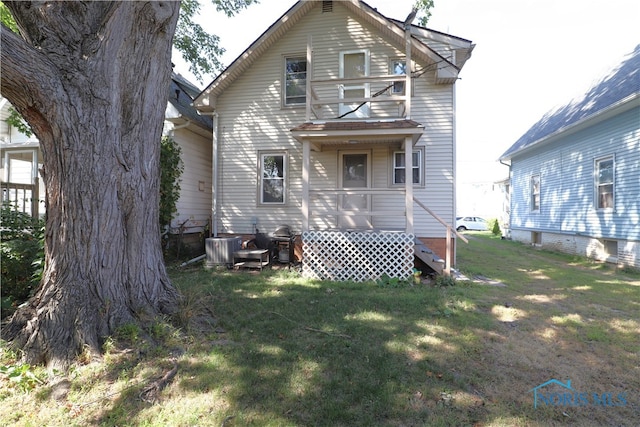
(399, 168)
(605, 183)
(535, 192)
(295, 81)
(273, 178)
(354, 64)
(398, 67)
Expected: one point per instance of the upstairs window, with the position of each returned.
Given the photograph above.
(295, 78)
(398, 67)
(605, 185)
(535, 193)
(272, 179)
(400, 169)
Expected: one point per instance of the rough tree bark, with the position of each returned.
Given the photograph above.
(91, 79)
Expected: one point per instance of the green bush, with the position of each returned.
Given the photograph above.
(443, 281)
(494, 226)
(171, 168)
(22, 254)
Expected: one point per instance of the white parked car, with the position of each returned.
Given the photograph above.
(475, 223)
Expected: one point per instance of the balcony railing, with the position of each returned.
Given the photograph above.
(23, 196)
(375, 97)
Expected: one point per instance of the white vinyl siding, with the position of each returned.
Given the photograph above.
(194, 204)
(251, 119)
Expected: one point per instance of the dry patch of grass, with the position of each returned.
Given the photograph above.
(273, 349)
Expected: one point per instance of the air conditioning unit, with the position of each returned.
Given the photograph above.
(220, 250)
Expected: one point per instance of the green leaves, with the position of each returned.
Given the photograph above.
(7, 19)
(200, 49)
(424, 10)
(15, 120)
(21, 376)
(171, 168)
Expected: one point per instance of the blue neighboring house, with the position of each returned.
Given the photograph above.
(575, 175)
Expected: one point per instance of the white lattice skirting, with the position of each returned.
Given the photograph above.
(356, 256)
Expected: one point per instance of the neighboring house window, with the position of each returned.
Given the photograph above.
(273, 174)
(295, 77)
(398, 67)
(399, 167)
(605, 183)
(535, 193)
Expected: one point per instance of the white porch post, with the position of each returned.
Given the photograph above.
(308, 78)
(407, 85)
(306, 162)
(408, 182)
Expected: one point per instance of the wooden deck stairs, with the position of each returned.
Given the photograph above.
(428, 257)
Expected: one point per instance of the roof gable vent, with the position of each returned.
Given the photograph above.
(327, 6)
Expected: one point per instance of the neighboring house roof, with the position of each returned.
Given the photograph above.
(446, 69)
(620, 86)
(181, 95)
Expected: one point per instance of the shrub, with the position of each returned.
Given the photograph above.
(22, 253)
(171, 168)
(443, 281)
(494, 226)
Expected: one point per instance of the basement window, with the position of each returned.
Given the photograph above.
(536, 238)
(610, 248)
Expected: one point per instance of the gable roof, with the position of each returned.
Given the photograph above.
(392, 30)
(620, 87)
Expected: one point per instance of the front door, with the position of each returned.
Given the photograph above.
(355, 175)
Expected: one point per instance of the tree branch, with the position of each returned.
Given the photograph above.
(26, 73)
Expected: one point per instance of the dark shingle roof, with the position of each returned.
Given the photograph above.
(181, 95)
(622, 82)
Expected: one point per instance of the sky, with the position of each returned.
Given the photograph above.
(530, 56)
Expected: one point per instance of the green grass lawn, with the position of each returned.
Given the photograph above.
(273, 349)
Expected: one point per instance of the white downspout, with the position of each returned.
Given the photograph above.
(214, 184)
(214, 177)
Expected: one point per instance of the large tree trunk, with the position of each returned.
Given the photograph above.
(91, 79)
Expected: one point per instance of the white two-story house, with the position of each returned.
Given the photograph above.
(340, 123)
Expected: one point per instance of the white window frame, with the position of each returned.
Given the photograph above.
(364, 111)
(285, 97)
(598, 201)
(535, 195)
(261, 177)
(421, 163)
(398, 87)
